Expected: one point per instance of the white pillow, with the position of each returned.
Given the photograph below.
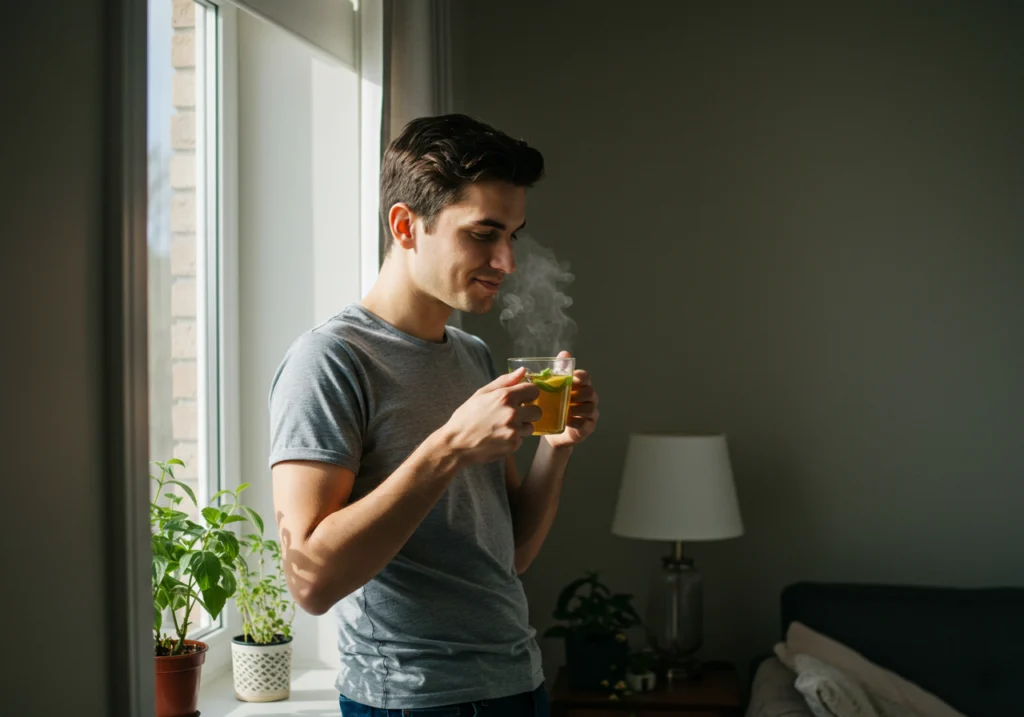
(878, 681)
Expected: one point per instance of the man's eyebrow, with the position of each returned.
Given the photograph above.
(486, 222)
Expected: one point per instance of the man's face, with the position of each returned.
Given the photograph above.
(464, 260)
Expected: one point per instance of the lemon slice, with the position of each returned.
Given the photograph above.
(551, 384)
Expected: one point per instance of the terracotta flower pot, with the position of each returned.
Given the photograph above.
(177, 682)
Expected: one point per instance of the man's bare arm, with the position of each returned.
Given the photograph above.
(331, 547)
(535, 500)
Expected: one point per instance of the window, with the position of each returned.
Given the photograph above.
(260, 130)
(184, 246)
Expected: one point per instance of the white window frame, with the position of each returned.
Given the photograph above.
(213, 229)
(208, 261)
(225, 172)
(217, 278)
(218, 270)
(131, 686)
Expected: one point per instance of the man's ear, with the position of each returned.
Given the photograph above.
(400, 220)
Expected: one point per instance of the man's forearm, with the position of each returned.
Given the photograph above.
(353, 544)
(535, 502)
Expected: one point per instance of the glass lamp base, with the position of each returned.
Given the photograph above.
(676, 616)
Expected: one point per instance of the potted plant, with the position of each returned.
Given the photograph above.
(193, 565)
(640, 670)
(261, 657)
(593, 620)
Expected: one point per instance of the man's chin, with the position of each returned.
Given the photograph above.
(475, 305)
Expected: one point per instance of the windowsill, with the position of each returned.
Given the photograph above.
(313, 694)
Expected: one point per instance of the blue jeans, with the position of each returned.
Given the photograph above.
(525, 704)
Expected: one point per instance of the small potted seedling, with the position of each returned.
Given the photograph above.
(261, 657)
(640, 670)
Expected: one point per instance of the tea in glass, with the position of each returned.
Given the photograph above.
(553, 376)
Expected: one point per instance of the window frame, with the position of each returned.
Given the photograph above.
(129, 650)
(217, 315)
(223, 271)
(208, 191)
(126, 391)
(220, 453)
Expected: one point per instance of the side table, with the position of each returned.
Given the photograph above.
(716, 693)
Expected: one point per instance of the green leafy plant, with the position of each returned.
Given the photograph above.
(193, 563)
(587, 608)
(263, 598)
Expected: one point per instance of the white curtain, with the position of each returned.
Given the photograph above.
(417, 51)
(418, 80)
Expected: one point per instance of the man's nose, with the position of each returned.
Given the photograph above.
(504, 258)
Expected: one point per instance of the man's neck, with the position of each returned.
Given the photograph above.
(394, 299)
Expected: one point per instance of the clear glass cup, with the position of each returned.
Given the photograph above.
(553, 376)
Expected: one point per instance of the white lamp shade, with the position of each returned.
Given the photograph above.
(677, 487)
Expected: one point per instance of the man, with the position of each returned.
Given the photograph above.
(395, 488)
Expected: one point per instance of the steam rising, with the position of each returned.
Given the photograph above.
(535, 301)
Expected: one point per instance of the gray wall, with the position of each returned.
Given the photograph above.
(297, 116)
(51, 251)
(800, 225)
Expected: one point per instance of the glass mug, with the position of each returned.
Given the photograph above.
(553, 376)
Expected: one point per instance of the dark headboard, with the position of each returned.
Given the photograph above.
(965, 645)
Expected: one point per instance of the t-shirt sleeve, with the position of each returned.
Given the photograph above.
(486, 358)
(317, 409)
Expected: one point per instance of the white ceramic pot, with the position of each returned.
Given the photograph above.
(262, 673)
(643, 682)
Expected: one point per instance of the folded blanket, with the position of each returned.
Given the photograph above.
(832, 693)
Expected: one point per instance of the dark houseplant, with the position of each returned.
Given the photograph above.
(593, 623)
(193, 566)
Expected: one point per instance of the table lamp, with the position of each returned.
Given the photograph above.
(675, 488)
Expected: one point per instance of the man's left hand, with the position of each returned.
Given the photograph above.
(583, 413)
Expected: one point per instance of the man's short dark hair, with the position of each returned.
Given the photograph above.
(430, 163)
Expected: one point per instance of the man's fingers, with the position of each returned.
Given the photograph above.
(529, 414)
(586, 409)
(505, 379)
(522, 393)
(583, 393)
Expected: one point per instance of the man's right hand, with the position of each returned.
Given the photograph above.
(493, 422)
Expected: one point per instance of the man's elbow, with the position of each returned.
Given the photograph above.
(314, 608)
(317, 593)
(309, 587)
(312, 598)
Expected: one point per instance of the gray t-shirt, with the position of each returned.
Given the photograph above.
(446, 621)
